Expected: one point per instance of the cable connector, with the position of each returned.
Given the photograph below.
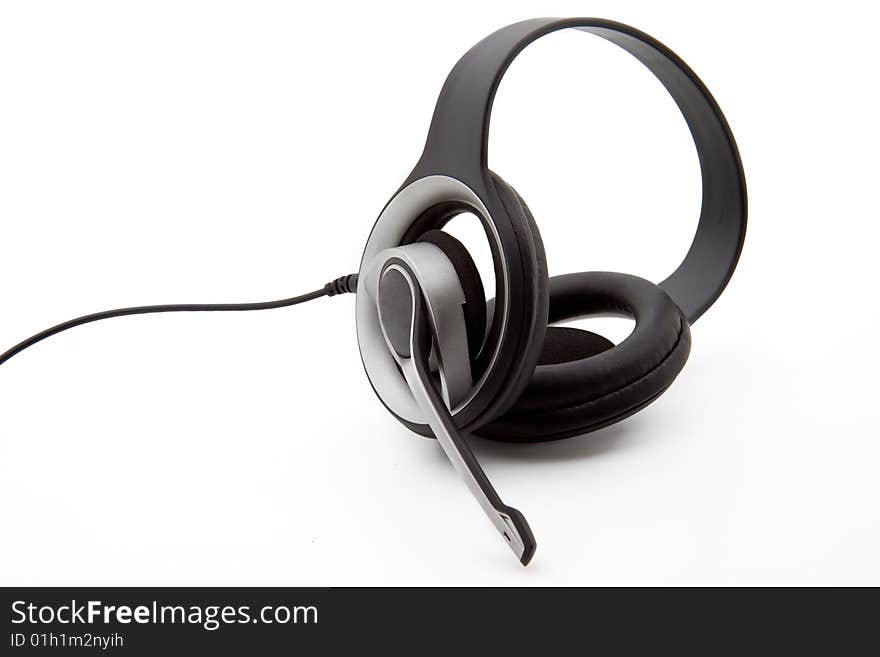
(342, 285)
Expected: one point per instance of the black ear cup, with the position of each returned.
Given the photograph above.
(475, 297)
(563, 344)
(572, 396)
(504, 346)
(529, 333)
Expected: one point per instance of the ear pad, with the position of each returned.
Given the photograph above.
(475, 298)
(533, 321)
(589, 392)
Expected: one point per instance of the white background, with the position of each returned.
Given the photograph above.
(217, 151)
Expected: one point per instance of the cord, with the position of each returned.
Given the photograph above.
(341, 285)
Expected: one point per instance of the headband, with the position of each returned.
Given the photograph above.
(458, 142)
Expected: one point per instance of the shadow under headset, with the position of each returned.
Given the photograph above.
(445, 362)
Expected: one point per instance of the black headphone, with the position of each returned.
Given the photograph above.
(444, 361)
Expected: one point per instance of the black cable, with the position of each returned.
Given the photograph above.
(341, 285)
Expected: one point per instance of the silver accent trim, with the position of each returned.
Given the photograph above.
(397, 217)
(453, 444)
(443, 299)
(499, 519)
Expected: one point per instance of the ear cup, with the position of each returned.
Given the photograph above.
(563, 344)
(577, 396)
(475, 298)
(533, 324)
(512, 341)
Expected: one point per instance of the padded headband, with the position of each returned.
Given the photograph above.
(458, 139)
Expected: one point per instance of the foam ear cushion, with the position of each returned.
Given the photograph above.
(578, 396)
(474, 306)
(528, 329)
(563, 344)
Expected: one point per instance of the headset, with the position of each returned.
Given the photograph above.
(446, 362)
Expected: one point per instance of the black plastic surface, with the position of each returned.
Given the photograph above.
(458, 143)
